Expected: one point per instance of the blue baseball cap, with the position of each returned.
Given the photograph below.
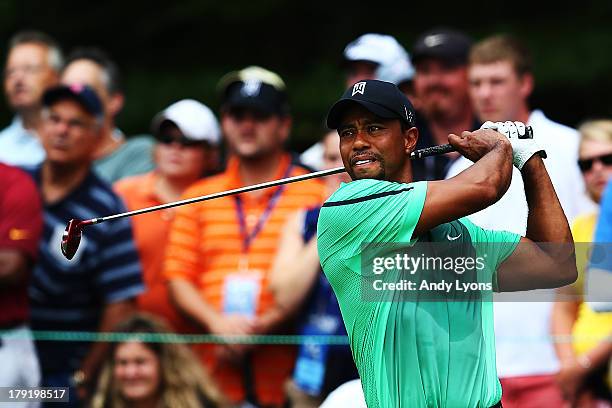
(84, 95)
(383, 99)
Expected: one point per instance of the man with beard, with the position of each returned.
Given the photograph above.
(220, 252)
(441, 88)
(430, 349)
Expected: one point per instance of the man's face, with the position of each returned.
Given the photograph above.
(69, 133)
(252, 134)
(441, 89)
(179, 158)
(27, 75)
(372, 147)
(360, 71)
(87, 72)
(497, 91)
(332, 159)
(599, 173)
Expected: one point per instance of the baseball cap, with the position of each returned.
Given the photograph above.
(383, 99)
(194, 119)
(254, 87)
(392, 60)
(448, 45)
(84, 95)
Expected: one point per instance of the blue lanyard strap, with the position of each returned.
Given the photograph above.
(247, 238)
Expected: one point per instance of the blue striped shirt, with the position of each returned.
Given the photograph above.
(71, 294)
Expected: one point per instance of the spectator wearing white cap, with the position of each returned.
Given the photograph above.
(371, 56)
(188, 136)
(378, 56)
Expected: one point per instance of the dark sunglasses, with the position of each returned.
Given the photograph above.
(183, 141)
(587, 164)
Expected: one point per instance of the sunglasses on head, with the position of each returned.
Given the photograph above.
(587, 164)
(183, 141)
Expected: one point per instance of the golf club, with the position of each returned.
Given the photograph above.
(72, 235)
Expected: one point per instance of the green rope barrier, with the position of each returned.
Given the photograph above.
(175, 338)
(257, 339)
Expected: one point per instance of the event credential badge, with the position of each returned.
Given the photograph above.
(241, 290)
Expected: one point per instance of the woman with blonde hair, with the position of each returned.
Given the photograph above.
(144, 371)
(585, 359)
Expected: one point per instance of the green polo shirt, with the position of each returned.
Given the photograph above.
(410, 352)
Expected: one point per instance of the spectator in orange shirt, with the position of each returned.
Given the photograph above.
(220, 252)
(188, 136)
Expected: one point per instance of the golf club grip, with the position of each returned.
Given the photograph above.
(447, 148)
(432, 151)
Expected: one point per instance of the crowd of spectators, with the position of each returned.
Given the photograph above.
(247, 265)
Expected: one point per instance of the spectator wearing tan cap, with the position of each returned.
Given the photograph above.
(188, 137)
(220, 252)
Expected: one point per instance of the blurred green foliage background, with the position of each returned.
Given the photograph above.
(173, 50)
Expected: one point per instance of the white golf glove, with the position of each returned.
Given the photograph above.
(523, 146)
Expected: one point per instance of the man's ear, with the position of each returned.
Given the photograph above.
(115, 104)
(285, 129)
(411, 136)
(527, 82)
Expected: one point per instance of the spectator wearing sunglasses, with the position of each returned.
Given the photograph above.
(585, 360)
(188, 136)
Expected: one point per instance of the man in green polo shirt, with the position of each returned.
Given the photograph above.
(413, 352)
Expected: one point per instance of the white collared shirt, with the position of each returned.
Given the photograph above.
(19, 146)
(522, 329)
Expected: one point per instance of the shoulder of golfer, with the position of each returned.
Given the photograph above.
(382, 211)
(392, 212)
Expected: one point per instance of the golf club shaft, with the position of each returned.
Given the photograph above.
(226, 193)
(430, 151)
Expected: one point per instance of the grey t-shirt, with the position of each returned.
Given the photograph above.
(133, 157)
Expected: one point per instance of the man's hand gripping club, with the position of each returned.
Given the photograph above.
(524, 146)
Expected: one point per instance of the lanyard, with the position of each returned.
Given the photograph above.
(247, 238)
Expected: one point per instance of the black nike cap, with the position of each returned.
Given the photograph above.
(383, 99)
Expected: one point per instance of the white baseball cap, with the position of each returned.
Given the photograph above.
(194, 119)
(392, 59)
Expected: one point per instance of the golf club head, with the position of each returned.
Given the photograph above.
(71, 238)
